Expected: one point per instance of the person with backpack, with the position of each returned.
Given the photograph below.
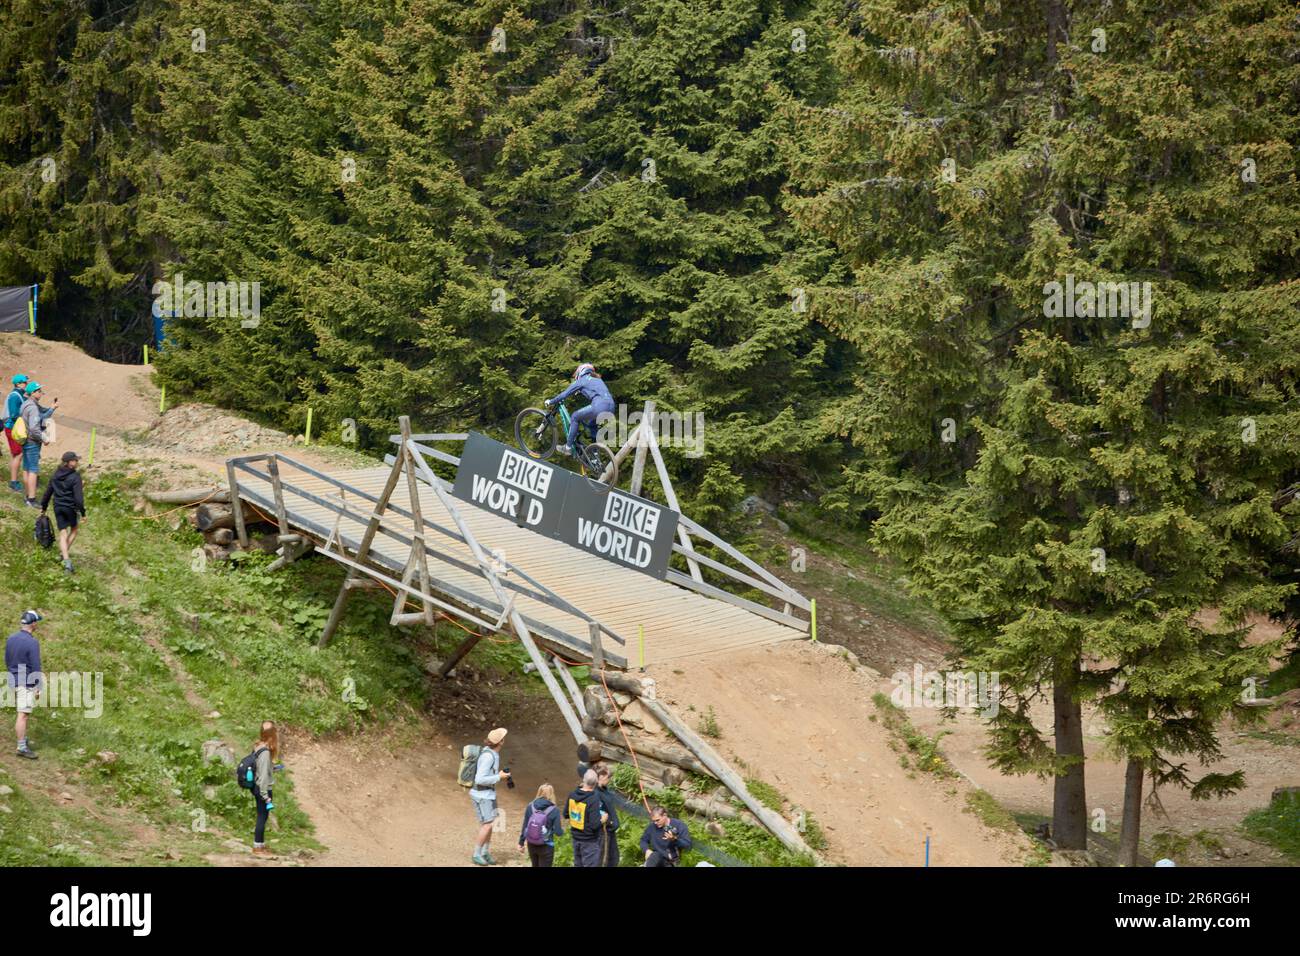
(542, 821)
(31, 430)
(23, 661)
(609, 841)
(587, 819)
(487, 773)
(256, 773)
(13, 405)
(69, 503)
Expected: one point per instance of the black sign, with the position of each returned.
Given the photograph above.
(511, 484)
(569, 507)
(618, 526)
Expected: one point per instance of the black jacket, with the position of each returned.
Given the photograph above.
(583, 810)
(65, 487)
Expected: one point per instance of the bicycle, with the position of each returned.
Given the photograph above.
(537, 434)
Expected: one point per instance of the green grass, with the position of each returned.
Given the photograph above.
(915, 749)
(244, 641)
(1278, 825)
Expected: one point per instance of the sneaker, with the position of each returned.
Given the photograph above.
(67, 565)
(31, 503)
(262, 851)
(27, 752)
(564, 450)
(16, 486)
(488, 857)
(478, 860)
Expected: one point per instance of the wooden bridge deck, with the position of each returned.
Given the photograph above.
(677, 622)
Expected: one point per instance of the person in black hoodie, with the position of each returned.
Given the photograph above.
(587, 818)
(610, 854)
(541, 842)
(69, 503)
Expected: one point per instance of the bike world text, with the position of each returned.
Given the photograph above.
(622, 514)
(522, 475)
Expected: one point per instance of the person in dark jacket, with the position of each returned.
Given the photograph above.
(587, 817)
(610, 857)
(543, 853)
(69, 503)
(665, 839)
(23, 661)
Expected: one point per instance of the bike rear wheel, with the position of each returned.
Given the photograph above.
(595, 459)
(535, 433)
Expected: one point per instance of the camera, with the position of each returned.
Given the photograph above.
(510, 781)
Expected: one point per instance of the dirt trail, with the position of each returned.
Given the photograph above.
(801, 720)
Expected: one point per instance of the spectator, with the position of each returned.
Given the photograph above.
(542, 821)
(587, 819)
(487, 774)
(610, 841)
(23, 660)
(34, 416)
(69, 503)
(267, 749)
(665, 839)
(13, 405)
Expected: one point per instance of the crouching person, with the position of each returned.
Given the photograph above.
(665, 839)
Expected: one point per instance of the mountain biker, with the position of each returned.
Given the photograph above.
(590, 386)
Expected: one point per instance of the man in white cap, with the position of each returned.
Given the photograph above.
(23, 661)
(484, 794)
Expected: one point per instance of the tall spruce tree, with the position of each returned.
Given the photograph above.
(1073, 484)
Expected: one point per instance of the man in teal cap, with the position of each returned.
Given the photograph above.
(12, 405)
(34, 416)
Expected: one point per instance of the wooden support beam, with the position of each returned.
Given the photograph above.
(773, 821)
(459, 653)
(236, 505)
(418, 552)
(277, 489)
(644, 430)
(571, 686)
(372, 526)
(597, 651)
(670, 498)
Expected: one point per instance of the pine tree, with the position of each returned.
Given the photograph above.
(1072, 487)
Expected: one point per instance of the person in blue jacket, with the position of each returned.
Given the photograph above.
(600, 402)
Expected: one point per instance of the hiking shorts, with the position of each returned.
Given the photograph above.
(485, 808)
(32, 456)
(65, 519)
(15, 448)
(25, 698)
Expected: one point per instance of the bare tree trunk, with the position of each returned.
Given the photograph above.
(1130, 830)
(1069, 806)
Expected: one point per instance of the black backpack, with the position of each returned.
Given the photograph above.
(246, 772)
(44, 531)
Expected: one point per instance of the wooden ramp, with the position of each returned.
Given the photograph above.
(675, 621)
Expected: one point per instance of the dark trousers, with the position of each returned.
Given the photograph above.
(259, 831)
(659, 859)
(541, 855)
(587, 852)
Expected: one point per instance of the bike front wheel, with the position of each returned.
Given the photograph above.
(535, 433)
(596, 460)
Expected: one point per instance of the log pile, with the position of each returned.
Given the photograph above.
(212, 514)
(666, 750)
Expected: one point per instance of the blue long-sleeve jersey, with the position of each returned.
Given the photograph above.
(589, 387)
